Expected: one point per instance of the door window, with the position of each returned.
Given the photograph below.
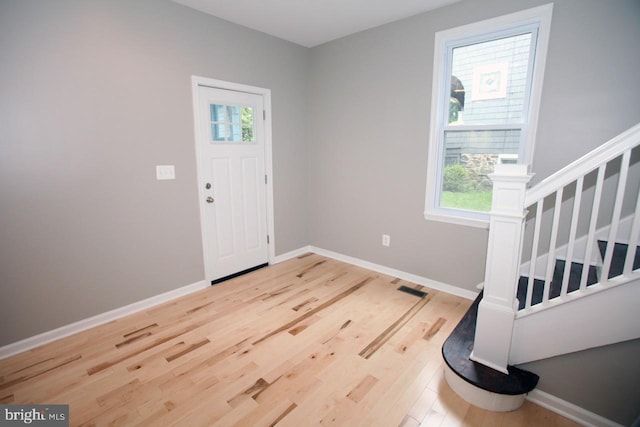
(232, 123)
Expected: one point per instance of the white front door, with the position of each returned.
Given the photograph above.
(231, 157)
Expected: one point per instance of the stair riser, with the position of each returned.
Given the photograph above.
(482, 398)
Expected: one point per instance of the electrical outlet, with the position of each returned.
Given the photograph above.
(386, 240)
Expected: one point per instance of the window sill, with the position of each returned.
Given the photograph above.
(458, 220)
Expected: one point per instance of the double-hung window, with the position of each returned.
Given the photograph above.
(487, 81)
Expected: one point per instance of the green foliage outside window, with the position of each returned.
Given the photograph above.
(247, 124)
(455, 179)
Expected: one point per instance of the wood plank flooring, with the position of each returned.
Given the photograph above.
(307, 342)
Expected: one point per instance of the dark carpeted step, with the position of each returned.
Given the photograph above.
(619, 256)
(536, 297)
(457, 349)
(575, 275)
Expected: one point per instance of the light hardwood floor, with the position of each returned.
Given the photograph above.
(310, 341)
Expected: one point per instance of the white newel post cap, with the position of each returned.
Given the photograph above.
(509, 188)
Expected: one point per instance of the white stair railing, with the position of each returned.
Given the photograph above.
(584, 217)
(563, 216)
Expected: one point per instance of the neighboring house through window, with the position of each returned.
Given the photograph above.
(487, 80)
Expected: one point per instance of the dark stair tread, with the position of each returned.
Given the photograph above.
(536, 296)
(575, 275)
(457, 348)
(618, 258)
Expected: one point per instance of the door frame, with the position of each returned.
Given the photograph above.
(197, 82)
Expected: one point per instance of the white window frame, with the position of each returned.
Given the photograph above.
(539, 17)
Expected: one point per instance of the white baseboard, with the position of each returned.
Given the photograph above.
(433, 284)
(430, 283)
(546, 400)
(292, 254)
(569, 410)
(538, 397)
(82, 325)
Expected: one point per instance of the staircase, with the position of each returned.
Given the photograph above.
(557, 253)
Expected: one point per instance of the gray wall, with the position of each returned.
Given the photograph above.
(370, 100)
(93, 95)
(604, 379)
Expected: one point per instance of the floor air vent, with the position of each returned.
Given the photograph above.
(412, 291)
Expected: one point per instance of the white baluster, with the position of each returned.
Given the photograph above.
(572, 237)
(551, 257)
(534, 253)
(592, 225)
(615, 217)
(633, 239)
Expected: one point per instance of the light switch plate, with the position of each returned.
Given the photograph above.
(165, 172)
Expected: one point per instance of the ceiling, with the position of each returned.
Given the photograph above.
(313, 22)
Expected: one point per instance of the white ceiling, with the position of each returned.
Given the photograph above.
(313, 22)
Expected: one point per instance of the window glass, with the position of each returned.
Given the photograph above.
(469, 157)
(487, 85)
(489, 81)
(231, 123)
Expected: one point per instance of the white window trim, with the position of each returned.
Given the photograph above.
(540, 16)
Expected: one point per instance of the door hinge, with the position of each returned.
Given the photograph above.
(267, 239)
(265, 179)
(264, 114)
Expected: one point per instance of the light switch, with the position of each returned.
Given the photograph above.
(165, 172)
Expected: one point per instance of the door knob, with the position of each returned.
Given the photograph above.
(209, 199)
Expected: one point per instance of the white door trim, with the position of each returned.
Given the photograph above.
(196, 82)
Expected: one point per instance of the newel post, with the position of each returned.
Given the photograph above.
(497, 309)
